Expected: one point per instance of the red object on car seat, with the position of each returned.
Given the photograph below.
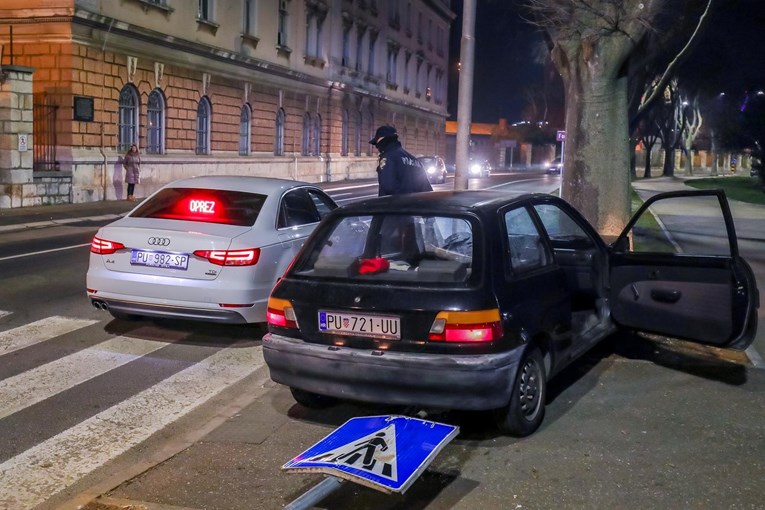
(372, 266)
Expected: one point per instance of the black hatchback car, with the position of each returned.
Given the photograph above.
(473, 300)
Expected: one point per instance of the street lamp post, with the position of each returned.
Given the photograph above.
(465, 96)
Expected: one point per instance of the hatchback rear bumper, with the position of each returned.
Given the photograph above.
(466, 382)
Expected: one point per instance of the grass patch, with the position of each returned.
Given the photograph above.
(743, 189)
(647, 234)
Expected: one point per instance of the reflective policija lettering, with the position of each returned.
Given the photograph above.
(409, 161)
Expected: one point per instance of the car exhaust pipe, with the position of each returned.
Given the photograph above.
(100, 305)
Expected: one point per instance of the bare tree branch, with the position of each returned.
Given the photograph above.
(662, 82)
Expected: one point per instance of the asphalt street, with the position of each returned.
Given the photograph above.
(640, 422)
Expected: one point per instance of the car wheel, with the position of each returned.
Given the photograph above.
(526, 409)
(312, 400)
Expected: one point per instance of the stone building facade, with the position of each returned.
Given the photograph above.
(282, 88)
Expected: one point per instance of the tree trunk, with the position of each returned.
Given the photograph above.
(688, 161)
(633, 160)
(669, 163)
(647, 170)
(596, 181)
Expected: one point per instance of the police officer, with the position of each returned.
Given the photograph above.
(397, 171)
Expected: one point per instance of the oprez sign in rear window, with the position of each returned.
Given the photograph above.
(203, 205)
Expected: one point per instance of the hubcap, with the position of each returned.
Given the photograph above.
(529, 389)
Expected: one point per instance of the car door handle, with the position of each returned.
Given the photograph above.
(666, 295)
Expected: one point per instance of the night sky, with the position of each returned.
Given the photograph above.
(512, 65)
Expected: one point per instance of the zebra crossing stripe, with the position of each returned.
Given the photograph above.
(37, 474)
(32, 386)
(39, 331)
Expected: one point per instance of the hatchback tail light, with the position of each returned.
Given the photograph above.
(248, 257)
(280, 313)
(478, 326)
(105, 247)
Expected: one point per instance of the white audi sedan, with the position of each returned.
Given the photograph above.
(205, 248)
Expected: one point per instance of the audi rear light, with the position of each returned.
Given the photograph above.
(104, 246)
(280, 313)
(468, 327)
(248, 257)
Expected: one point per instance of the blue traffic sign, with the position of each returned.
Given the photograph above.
(386, 453)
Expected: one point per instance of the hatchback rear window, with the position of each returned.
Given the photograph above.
(203, 205)
(397, 248)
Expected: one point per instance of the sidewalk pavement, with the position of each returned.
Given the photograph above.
(50, 215)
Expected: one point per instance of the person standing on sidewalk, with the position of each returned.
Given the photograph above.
(132, 165)
(398, 171)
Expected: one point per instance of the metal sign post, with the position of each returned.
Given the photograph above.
(386, 453)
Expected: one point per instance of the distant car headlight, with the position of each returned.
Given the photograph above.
(431, 170)
(475, 169)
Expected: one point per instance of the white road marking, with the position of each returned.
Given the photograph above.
(37, 474)
(21, 255)
(32, 386)
(4, 313)
(39, 331)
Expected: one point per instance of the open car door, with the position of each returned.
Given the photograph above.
(676, 271)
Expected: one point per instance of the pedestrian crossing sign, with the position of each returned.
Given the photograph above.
(386, 453)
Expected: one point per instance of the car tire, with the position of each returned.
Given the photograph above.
(312, 400)
(526, 409)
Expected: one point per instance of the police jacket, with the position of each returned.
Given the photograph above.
(398, 171)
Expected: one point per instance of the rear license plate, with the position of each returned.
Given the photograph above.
(377, 326)
(160, 259)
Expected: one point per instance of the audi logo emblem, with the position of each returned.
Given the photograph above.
(159, 241)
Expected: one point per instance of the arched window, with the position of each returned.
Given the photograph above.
(279, 138)
(127, 130)
(305, 147)
(204, 113)
(316, 137)
(344, 134)
(155, 119)
(357, 148)
(245, 130)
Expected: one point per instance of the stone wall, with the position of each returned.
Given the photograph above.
(17, 187)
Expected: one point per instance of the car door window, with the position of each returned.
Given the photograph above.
(683, 225)
(562, 230)
(297, 209)
(322, 202)
(525, 246)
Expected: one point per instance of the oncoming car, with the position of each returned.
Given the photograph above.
(435, 168)
(555, 166)
(479, 169)
(204, 248)
(473, 300)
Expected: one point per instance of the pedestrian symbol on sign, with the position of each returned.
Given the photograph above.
(375, 453)
(386, 453)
